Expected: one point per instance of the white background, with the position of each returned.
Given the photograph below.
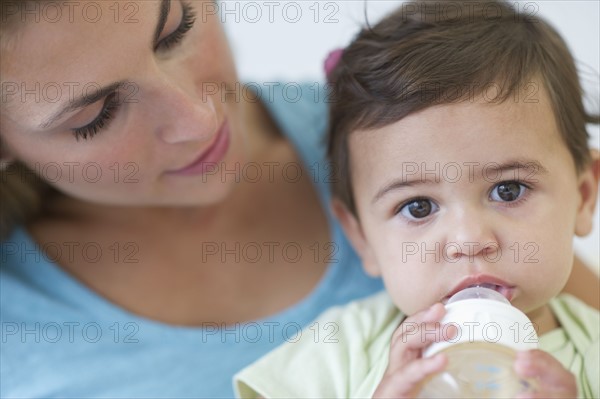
(288, 40)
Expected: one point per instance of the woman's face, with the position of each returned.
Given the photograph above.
(122, 103)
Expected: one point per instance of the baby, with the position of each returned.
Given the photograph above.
(463, 159)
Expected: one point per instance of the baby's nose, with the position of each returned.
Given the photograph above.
(471, 237)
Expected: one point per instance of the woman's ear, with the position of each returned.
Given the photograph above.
(587, 185)
(5, 158)
(355, 234)
(5, 162)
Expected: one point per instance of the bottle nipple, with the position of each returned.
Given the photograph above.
(481, 291)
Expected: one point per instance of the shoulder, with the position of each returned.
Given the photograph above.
(28, 282)
(581, 326)
(334, 356)
(300, 112)
(18, 255)
(580, 321)
(304, 103)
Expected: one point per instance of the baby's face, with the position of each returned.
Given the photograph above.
(469, 193)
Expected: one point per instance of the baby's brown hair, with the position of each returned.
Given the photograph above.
(429, 53)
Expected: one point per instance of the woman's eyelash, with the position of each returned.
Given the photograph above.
(111, 105)
(187, 22)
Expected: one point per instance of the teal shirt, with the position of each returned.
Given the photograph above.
(61, 339)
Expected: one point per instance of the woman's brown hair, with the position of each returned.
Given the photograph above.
(21, 190)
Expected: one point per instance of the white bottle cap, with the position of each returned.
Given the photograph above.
(484, 315)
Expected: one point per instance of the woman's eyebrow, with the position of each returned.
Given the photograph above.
(165, 6)
(84, 101)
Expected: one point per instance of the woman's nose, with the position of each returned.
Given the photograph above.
(471, 235)
(188, 117)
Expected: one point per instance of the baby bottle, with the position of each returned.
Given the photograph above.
(482, 354)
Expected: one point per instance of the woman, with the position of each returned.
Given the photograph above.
(168, 263)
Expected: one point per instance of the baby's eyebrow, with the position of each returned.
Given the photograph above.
(398, 184)
(534, 167)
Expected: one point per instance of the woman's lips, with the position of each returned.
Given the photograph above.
(208, 159)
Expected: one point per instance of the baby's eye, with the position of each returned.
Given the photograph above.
(507, 191)
(418, 208)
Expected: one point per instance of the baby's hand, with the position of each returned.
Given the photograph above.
(407, 368)
(553, 379)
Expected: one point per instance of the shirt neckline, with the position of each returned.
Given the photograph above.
(82, 298)
(82, 295)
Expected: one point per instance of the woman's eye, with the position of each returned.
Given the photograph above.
(187, 22)
(507, 191)
(418, 208)
(110, 107)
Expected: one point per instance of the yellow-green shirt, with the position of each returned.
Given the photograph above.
(344, 353)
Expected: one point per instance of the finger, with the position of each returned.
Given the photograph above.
(409, 346)
(426, 333)
(546, 369)
(432, 314)
(415, 333)
(552, 394)
(404, 383)
(415, 372)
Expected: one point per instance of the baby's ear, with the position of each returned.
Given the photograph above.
(588, 190)
(355, 234)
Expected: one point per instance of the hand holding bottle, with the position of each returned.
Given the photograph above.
(554, 381)
(407, 368)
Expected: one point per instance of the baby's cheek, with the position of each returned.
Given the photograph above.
(408, 298)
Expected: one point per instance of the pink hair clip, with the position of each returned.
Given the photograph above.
(332, 60)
